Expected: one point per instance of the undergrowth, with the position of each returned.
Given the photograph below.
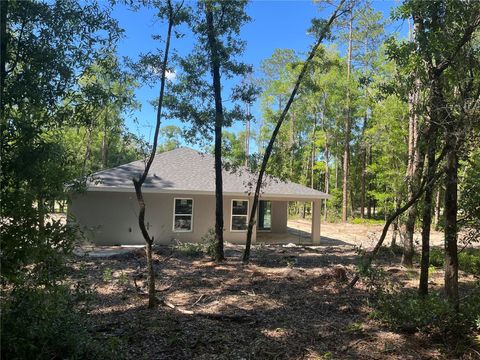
(404, 310)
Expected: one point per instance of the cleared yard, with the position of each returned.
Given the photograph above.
(289, 303)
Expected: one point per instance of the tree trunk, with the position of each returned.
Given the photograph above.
(105, 142)
(247, 137)
(3, 60)
(437, 115)
(413, 169)
(217, 89)
(395, 233)
(327, 178)
(451, 192)
(138, 183)
(86, 158)
(346, 152)
(438, 201)
(313, 153)
(325, 29)
(364, 182)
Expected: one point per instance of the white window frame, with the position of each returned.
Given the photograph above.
(174, 215)
(232, 215)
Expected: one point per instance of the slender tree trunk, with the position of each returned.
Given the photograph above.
(369, 198)
(336, 172)
(86, 158)
(363, 145)
(313, 153)
(398, 203)
(413, 175)
(327, 178)
(437, 114)
(138, 183)
(364, 182)
(105, 141)
(427, 220)
(217, 89)
(413, 168)
(451, 198)
(247, 137)
(3, 53)
(268, 151)
(346, 152)
(438, 201)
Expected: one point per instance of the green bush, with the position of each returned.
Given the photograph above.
(436, 257)
(407, 311)
(189, 249)
(41, 323)
(206, 246)
(468, 259)
(209, 242)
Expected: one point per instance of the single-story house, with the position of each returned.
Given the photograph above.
(180, 202)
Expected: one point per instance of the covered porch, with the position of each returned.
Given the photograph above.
(272, 225)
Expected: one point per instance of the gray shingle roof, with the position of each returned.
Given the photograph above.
(188, 171)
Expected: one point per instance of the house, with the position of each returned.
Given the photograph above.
(180, 201)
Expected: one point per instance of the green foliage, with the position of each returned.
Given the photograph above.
(189, 249)
(406, 310)
(368, 221)
(468, 259)
(107, 274)
(43, 324)
(208, 241)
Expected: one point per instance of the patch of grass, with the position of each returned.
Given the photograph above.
(354, 327)
(107, 274)
(367, 221)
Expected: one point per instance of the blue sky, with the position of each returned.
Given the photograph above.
(275, 24)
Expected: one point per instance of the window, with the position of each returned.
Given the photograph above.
(239, 215)
(183, 215)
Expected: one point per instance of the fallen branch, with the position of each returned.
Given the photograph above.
(212, 316)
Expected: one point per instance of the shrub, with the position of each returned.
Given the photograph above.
(41, 323)
(436, 257)
(407, 311)
(189, 249)
(468, 259)
(209, 243)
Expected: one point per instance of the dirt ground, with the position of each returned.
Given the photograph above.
(288, 303)
(364, 235)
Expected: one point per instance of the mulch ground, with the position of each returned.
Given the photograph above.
(288, 303)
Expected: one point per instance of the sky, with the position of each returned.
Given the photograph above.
(274, 24)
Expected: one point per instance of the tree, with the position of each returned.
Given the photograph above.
(197, 96)
(174, 14)
(439, 41)
(323, 29)
(44, 47)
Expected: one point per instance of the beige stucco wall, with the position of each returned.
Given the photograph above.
(279, 216)
(110, 218)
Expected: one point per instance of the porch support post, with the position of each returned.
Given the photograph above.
(316, 215)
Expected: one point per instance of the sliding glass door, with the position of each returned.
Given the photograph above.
(265, 215)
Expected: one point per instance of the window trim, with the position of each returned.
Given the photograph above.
(232, 215)
(174, 215)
